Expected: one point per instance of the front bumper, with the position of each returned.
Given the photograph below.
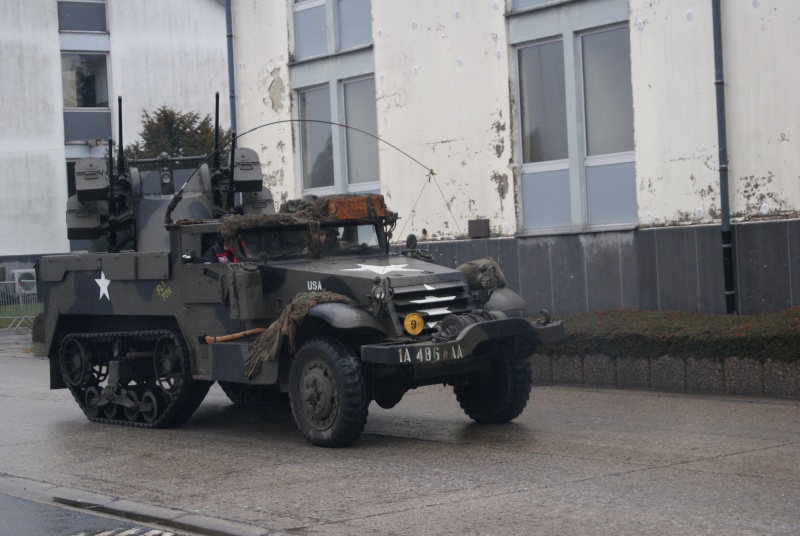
(474, 340)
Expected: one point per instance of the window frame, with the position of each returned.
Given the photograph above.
(319, 190)
(366, 186)
(332, 25)
(536, 27)
(108, 80)
(605, 158)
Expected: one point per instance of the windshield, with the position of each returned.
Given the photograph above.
(298, 241)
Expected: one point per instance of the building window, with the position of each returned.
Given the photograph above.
(607, 92)
(82, 16)
(321, 144)
(316, 139)
(577, 161)
(362, 149)
(85, 80)
(349, 22)
(543, 104)
(355, 23)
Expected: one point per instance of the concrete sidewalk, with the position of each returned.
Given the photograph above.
(16, 342)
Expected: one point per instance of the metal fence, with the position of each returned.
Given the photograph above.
(19, 302)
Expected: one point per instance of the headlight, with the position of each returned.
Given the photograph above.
(382, 291)
(379, 293)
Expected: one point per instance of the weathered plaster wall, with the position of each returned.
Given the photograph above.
(762, 84)
(167, 53)
(32, 169)
(672, 69)
(442, 84)
(261, 52)
(675, 108)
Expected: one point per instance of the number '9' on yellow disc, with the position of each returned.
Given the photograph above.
(413, 324)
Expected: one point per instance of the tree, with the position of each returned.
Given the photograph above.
(177, 134)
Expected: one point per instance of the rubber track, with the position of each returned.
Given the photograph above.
(182, 404)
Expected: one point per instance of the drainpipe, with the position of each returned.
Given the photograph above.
(231, 88)
(727, 243)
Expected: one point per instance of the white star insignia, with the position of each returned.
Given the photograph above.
(380, 270)
(103, 283)
(433, 299)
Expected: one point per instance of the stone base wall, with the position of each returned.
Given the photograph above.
(732, 376)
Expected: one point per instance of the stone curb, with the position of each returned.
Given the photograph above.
(127, 509)
(731, 376)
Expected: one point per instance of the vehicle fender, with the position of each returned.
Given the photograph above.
(344, 316)
(507, 301)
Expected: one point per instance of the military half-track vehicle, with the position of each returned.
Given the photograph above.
(311, 312)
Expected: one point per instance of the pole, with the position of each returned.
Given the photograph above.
(727, 242)
(231, 86)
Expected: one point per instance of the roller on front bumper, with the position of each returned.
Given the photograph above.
(530, 336)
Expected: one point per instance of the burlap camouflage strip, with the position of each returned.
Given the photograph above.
(268, 344)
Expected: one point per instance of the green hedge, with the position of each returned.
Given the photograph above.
(635, 333)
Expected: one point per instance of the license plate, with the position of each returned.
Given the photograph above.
(430, 354)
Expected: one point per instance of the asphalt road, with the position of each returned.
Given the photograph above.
(578, 461)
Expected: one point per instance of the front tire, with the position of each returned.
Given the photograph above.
(497, 395)
(328, 393)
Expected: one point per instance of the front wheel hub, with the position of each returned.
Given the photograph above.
(320, 402)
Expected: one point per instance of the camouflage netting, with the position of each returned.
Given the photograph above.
(308, 210)
(471, 271)
(268, 344)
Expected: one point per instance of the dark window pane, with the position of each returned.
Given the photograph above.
(543, 106)
(607, 92)
(71, 179)
(310, 35)
(362, 150)
(84, 80)
(355, 23)
(81, 17)
(82, 126)
(316, 138)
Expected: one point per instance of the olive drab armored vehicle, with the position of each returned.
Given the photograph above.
(311, 311)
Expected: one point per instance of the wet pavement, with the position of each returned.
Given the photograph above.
(577, 461)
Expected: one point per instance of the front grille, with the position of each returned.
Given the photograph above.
(433, 301)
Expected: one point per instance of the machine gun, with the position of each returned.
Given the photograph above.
(122, 202)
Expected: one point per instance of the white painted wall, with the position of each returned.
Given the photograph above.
(443, 97)
(171, 53)
(762, 84)
(263, 92)
(32, 165)
(675, 108)
(167, 53)
(454, 116)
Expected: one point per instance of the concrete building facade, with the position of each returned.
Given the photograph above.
(64, 64)
(585, 131)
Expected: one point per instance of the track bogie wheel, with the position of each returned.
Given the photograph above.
(150, 415)
(132, 413)
(90, 397)
(110, 411)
